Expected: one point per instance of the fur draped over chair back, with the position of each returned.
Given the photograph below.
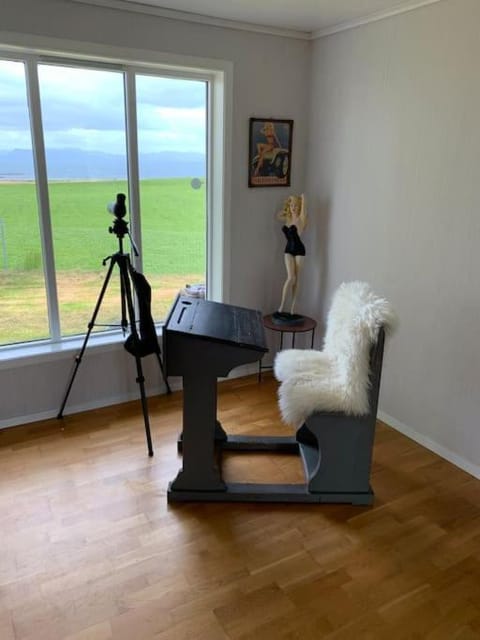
(336, 378)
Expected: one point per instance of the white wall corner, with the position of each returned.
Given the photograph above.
(431, 445)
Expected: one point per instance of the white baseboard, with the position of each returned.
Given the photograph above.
(175, 384)
(76, 408)
(428, 443)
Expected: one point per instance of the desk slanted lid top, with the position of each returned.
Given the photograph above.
(217, 322)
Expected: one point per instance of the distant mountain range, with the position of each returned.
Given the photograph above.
(75, 164)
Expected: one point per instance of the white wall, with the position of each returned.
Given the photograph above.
(394, 157)
(270, 78)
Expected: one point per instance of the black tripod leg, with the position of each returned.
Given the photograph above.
(141, 384)
(123, 321)
(128, 299)
(159, 358)
(91, 324)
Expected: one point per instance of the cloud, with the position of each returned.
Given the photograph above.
(171, 92)
(162, 128)
(13, 98)
(84, 108)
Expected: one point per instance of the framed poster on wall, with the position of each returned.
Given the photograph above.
(270, 152)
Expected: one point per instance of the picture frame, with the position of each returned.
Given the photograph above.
(270, 152)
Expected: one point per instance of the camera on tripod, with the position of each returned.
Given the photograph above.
(119, 210)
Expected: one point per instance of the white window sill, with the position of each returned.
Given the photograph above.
(37, 352)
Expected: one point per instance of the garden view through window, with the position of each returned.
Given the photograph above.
(84, 136)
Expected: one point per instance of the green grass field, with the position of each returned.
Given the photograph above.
(173, 224)
(173, 249)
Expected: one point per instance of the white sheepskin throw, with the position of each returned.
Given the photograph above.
(336, 378)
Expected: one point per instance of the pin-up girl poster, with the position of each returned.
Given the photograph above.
(270, 152)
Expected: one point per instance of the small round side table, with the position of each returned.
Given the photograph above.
(308, 324)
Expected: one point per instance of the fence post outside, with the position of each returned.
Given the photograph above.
(4, 244)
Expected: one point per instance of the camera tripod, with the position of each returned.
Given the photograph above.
(137, 345)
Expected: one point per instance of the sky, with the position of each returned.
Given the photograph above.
(84, 109)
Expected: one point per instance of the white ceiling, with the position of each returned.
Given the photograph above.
(310, 16)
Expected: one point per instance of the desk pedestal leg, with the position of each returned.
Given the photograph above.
(199, 472)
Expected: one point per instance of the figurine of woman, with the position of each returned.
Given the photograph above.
(294, 216)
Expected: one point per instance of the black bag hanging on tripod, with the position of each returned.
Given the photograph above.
(147, 343)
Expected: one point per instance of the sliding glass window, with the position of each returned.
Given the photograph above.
(89, 154)
(22, 286)
(83, 116)
(171, 116)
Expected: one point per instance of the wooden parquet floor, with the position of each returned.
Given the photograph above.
(90, 549)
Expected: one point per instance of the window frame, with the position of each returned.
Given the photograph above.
(218, 77)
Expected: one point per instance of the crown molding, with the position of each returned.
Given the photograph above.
(372, 17)
(186, 16)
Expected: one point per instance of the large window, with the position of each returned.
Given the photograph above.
(71, 138)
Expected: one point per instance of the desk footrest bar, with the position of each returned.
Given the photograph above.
(285, 444)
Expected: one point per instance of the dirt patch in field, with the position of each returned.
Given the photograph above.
(24, 306)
